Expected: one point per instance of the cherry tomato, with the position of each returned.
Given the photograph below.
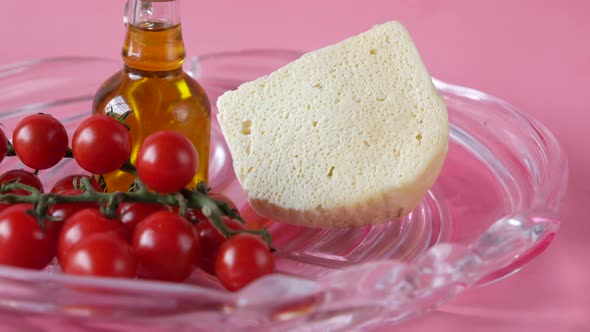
(101, 255)
(166, 246)
(196, 215)
(52, 229)
(23, 177)
(22, 241)
(40, 141)
(131, 214)
(101, 144)
(242, 259)
(167, 161)
(3, 145)
(211, 239)
(67, 183)
(61, 212)
(192, 215)
(83, 224)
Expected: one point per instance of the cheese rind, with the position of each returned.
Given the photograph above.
(351, 134)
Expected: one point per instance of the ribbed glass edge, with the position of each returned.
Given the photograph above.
(445, 269)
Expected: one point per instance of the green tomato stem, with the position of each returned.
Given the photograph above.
(10, 152)
(185, 199)
(213, 209)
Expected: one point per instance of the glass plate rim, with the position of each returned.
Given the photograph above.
(554, 188)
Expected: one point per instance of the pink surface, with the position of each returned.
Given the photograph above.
(535, 54)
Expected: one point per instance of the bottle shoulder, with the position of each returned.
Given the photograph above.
(124, 87)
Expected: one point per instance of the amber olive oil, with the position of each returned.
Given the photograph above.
(156, 91)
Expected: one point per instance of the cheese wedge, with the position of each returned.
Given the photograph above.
(348, 135)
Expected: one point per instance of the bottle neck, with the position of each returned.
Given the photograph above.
(153, 40)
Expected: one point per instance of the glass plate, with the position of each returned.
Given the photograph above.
(491, 211)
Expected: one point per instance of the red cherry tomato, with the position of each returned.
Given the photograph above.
(83, 224)
(101, 255)
(166, 246)
(60, 212)
(40, 141)
(23, 177)
(167, 161)
(52, 229)
(192, 215)
(3, 145)
(22, 241)
(242, 259)
(196, 215)
(211, 239)
(101, 144)
(131, 214)
(67, 183)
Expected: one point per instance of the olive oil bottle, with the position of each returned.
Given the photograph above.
(153, 87)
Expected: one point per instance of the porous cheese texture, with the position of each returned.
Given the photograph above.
(351, 134)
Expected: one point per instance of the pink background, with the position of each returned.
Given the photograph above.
(535, 54)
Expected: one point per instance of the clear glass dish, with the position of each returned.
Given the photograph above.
(491, 211)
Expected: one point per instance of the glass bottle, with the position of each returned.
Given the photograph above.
(153, 86)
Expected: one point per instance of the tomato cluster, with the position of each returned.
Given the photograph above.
(144, 239)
